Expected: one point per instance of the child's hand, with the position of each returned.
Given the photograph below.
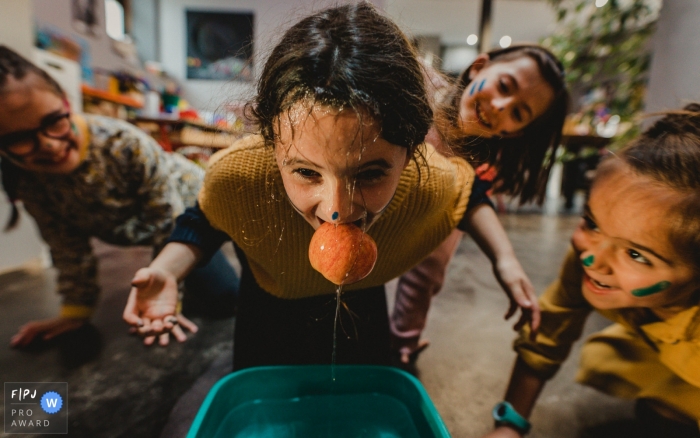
(46, 328)
(519, 289)
(175, 330)
(503, 432)
(152, 306)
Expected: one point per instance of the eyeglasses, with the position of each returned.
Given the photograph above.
(24, 143)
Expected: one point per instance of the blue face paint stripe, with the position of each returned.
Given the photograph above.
(481, 85)
(471, 91)
(335, 215)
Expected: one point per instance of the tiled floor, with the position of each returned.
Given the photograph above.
(118, 388)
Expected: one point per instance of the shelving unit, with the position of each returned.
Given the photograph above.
(119, 99)
(174, 133)
(96, 101)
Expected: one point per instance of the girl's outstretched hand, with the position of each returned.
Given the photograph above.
(151, 309)
(503, 432)
(520, 291)
(46, 328)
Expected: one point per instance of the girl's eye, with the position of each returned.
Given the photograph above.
(306, 173)
(502, 85)
(370, 176)
(637, 257)
(517, 115)
(589, 224)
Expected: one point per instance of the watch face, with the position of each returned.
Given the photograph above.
(506, 415)
(500, 411)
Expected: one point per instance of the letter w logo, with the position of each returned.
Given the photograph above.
(52, 402)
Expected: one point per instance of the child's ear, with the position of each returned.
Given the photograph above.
(479, 63)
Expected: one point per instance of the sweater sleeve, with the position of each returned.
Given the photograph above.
(193, 227)
(564, 313)
(150, 176)
(74, 260)
(477, 197)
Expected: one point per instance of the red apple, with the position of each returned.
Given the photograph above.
(342, 253)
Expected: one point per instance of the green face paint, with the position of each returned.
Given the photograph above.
(658, 287)
(588, 261)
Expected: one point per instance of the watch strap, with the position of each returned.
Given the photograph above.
(505, 415)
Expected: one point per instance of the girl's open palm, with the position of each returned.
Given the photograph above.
(152, 307)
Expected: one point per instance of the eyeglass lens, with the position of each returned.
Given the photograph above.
(27, 142)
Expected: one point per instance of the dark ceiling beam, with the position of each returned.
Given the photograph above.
(485, 26)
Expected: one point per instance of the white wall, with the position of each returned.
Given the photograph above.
(17, 25)
(144, 28)
(23, 244)
(454, 20)
(271, 18)
(58, 13)
(675, 68)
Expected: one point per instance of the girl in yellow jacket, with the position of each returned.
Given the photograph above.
(635, 258)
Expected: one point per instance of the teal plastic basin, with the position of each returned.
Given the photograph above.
(305, 402)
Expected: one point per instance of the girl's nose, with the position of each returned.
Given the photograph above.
(597, 259)
(338, 204)
(47, 143)
(501, 103)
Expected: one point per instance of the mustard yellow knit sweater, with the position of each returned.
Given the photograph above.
(244, 197)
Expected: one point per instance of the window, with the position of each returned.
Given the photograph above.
(114, 12)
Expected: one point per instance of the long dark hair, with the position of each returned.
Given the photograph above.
(347, 56)
(12, 65)
(522, 163)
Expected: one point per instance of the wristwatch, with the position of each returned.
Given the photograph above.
(505, 415)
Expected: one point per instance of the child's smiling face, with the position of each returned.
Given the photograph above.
(26, 105)
(503, 97)
(335, 165)
(625, 248)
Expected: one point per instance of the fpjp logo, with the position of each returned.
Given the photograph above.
(36, 407)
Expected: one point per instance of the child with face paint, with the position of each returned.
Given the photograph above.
(635, 258)
(506, 113)
(83, 176)
(341, 141)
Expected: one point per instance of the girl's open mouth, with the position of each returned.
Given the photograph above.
(56, 158)
(595, 285)
(360, 223)
(481, 116)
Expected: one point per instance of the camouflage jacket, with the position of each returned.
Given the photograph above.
(127, 191)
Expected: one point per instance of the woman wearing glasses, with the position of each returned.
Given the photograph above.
(84, 176)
